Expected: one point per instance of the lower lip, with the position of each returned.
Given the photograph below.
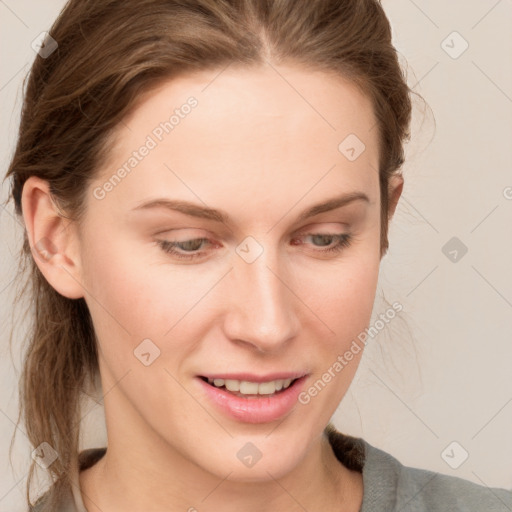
(254, 410)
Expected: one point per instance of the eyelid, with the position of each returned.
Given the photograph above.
(314, 228)
(309, 226)
(329, 225)
(342, 242)
(186, 234)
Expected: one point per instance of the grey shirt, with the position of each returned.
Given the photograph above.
(389, 486)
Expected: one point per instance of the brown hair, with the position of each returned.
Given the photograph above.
(110, 52)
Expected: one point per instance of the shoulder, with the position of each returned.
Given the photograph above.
(412, 489)
(66, 497)
(390, 486)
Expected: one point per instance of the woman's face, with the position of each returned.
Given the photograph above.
(265, 294)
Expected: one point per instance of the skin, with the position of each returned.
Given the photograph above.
(262, 152)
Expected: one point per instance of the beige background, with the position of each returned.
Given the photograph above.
(447, 379)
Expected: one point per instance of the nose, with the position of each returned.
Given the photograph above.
(262, 304)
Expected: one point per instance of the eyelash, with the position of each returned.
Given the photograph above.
(343, 241)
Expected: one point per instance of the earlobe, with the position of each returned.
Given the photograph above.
(52, 238)
(396, 183)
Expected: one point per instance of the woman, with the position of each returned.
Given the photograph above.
(206, 188)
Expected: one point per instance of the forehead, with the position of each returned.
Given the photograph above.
(250, 97)
(251, 132)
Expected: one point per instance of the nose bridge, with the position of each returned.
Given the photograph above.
(261, 309)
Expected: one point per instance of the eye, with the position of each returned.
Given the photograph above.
(191, 249)
(188, 246)
(341, 241)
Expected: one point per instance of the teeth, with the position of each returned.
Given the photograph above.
(245, 387)
(232, 385)
(249, 388)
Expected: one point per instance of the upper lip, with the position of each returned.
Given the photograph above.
(251, 377)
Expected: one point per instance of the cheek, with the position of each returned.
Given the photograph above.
(343, 299)
(133, 295)
(343, 295)
(351, 301)
(344, 304)
(124, 294)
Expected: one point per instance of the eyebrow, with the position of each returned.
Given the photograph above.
(205, 212)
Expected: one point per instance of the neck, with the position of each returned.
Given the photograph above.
(129, 480)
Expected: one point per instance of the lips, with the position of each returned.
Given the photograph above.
(251, 377)
(253, 408)
(246, 388)
(253, 385)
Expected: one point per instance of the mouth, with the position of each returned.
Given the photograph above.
(251, 389)
(256, 400)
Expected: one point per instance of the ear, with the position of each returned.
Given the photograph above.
(395, 187)
(52, 239)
